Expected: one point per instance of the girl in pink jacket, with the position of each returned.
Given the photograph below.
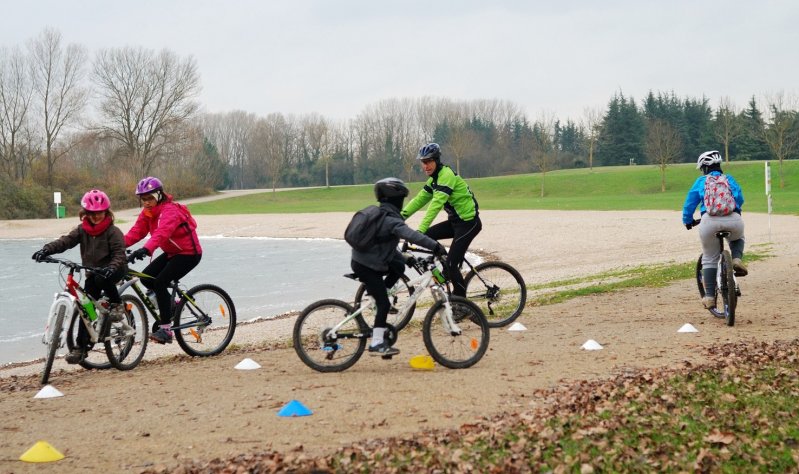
(172, 229)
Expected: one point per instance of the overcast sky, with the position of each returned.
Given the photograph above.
(334, 57)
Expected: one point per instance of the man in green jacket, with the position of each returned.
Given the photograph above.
(445, 189)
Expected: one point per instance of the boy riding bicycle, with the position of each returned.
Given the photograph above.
(384, 260)
(715, 219)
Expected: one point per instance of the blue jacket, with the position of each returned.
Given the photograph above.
(696, 196)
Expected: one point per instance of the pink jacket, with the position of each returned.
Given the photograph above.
(169, 227)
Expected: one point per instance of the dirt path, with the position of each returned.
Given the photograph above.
(180, 408)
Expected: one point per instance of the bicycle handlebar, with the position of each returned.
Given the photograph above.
(68, 263)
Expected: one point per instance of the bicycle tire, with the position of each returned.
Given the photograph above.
(456, 351)
(310, 336)
(701, 286)
(501, 302)
(125, 352)
(728, 288)
(55, 341)
(199, 339)
(96, 357)
(398, 320)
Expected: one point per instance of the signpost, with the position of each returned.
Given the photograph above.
(768, 197)
(59, 210)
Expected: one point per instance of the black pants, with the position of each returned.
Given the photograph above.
(377, 286)
(462, 234)
(166, 270)
(95, 286)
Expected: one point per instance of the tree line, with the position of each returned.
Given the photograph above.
(69, 122)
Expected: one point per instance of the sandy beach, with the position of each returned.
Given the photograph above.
(227, 411)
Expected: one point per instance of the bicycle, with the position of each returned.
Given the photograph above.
(726, 283)
(203, 317)
(330, 335)
(496, 287)
(124, 342)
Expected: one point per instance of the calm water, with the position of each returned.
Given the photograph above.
(265, 277)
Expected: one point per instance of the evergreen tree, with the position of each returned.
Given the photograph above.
(750, 145)
(622, 134)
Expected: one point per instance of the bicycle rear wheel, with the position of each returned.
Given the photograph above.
(499, 291)
(451, 349)
(206, 320)
(312, 341)
(55, 341)
(397, 300)
(125, 346)
(728, 294)
(96, 357)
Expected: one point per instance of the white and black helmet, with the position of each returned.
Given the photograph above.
(708, 158)
(388, 188)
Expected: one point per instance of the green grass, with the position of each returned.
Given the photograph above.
(606, 188)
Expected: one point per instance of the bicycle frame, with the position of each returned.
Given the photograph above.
(132, 279)
(423, 281)
(71, 293)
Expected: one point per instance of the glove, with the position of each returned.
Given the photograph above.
(138, 254)
(688, 226)
(439, 251)
(40, 255)
(105, 272)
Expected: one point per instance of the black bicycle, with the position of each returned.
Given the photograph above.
(203, 317)
(726, 284)
(495, 287)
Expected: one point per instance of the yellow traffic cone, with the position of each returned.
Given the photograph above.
(42, 451)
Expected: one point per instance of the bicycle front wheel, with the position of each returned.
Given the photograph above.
(317, 348)
(461, 347)
(206, 321)
(499, 291)
(96, 357)
(396, 316)
(127, 340)
(728, 294)
(55, 341)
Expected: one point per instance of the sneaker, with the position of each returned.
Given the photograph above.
(162, 336)
(76, 356)
(739, 268)
(383, 349)
(116, 313)
(709, 302)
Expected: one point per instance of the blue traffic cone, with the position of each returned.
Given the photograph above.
(294, 408)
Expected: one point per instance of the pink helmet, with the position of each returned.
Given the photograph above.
(95, 201)
(148, 185)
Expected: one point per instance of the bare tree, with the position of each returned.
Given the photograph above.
(543, 150)
(780, 132)
(592, 118)
(727, 127)
(462, 140)
(58, 75)
(663, 146)
(146, 98)
(15, 98)
(319, 141)
(231, 133)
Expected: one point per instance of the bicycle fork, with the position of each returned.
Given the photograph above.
(447, 318)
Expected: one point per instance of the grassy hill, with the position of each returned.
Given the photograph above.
(606, 188)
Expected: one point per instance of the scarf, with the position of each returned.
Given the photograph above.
(95, 230)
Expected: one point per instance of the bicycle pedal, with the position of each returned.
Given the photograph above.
(389, 357)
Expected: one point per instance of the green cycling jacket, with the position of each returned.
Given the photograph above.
(443, 189)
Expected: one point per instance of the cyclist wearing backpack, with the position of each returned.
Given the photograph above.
(382, 259)
(445, 189)
(719, 198)
(171, 228)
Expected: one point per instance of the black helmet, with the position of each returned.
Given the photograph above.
(431, 150)
(388, 188)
